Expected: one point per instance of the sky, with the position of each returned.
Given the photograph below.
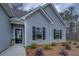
(27, 6)
(59, 6)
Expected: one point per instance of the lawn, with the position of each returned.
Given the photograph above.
(55, 50)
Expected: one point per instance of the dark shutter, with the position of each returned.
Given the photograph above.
(43, 33)
(54, 34)
(33, 32)
(60, 34)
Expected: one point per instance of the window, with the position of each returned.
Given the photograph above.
(38, 33)
(57, 34)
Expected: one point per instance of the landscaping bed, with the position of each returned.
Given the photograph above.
(71, 50)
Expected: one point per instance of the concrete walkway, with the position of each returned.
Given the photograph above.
(17, 50)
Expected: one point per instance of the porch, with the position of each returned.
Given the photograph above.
(16, 50)
(18, 30)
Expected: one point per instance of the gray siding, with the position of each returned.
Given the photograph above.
(38, 20)
(57, 25)
(5, 31)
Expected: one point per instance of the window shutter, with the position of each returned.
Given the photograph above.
(33, 32)
(60, 34)
(44, 33)
(54, 34)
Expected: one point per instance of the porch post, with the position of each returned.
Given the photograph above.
(25, 33)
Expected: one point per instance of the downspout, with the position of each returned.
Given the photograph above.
(50, 34)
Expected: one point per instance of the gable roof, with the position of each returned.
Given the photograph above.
(58, 15)
(6, 9)
(41, 8)
(35, 10)
(18, 13)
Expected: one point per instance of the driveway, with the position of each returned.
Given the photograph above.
(17, 50)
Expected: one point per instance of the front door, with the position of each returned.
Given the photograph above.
(18, 35)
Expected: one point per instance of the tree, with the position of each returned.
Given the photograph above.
(71, 19)
(76, 25)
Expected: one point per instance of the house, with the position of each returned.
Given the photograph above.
(5, 27)
(42, 25)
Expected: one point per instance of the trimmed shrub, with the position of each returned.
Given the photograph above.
(74, 43)
(70, 42)
(28, 47)
(12, 42)
(64, 43)
(68, 47)
(33, 45)
(53, 44)
(77, 46)
(39, 52)
(63, 52)
(48, 47)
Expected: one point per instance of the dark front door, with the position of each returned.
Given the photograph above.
(18, 35)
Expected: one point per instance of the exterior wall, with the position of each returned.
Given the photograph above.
(57, 25)
(5, 31)
(38, 20)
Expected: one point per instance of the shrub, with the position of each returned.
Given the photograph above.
(63, 52)
(70, 42)
(68, 47)
(77, 46)
(12, 42)
(48, 47)
(53, 44)
(74, 43)
(33, 45)
(28, 47)
(39, 52)
(64, 43)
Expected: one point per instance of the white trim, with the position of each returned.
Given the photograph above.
(25, 34)
(45, 5)
(41, 10)
(23, 17)
(14, 31)
(38, 8)
(16, 21)
(47, 16)
(56, 12)
(30, 13)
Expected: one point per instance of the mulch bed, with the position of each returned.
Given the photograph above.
(55, 50)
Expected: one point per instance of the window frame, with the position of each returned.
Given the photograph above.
(38, 31)
(57, 32)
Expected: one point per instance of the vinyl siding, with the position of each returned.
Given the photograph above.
(5, 31)
(57, 24)
(38, 20)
